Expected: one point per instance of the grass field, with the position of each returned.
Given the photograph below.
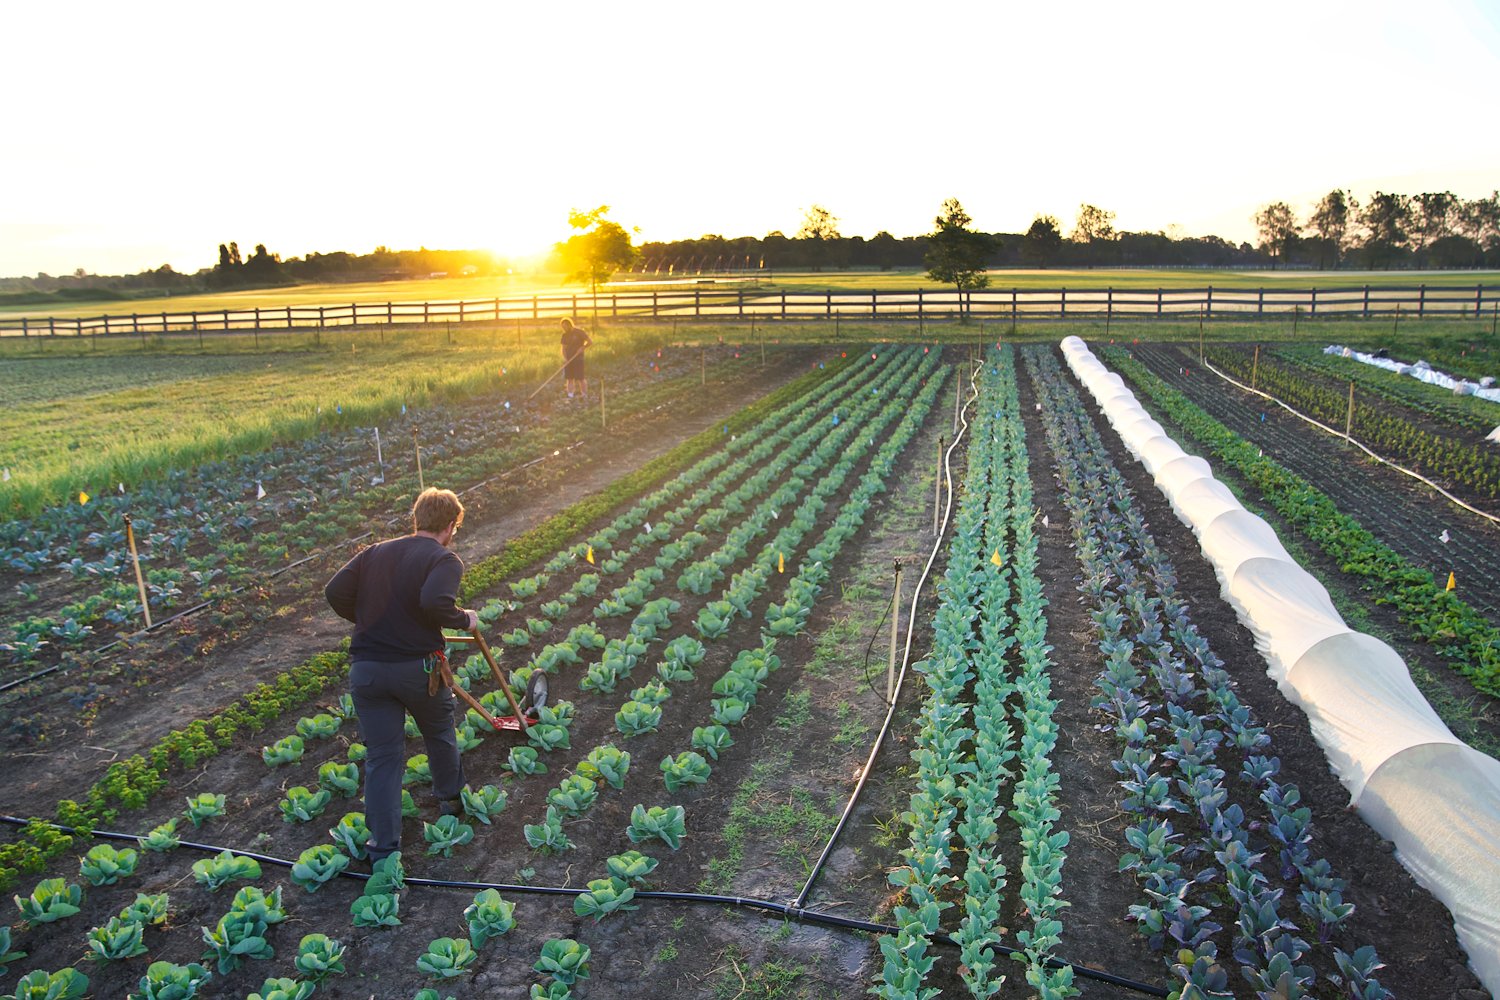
(453, 289)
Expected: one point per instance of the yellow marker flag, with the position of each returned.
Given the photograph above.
(780, 562)
(996, 558)
(589, 555)
(83, 497)
(1452, 583)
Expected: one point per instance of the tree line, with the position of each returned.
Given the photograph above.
(1435, 229)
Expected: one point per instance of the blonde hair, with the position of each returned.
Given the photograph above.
(435, 509)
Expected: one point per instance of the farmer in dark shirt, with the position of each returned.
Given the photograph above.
(400, 594)
(574, 340)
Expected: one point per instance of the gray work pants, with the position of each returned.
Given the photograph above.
(383, 694)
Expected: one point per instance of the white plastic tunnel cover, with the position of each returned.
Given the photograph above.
(1411, 779)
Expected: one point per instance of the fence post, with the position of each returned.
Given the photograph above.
(1367, 302)
(534, 313)
(1478, 301)
(1013, 311)
(1210, 310)
(52, 323)
(697, 302)
(25, 328)
(828, 308)
(874, 304)
(226, 319)
(1421, 300)
(135, 323)
(460, 312)
(425, 306)
(1260, 303)
(388, 314)
(1062, 303)
(1109, 307)
(195, 321)
(257, 317)
(1158, 302)
(614, 305)
(497, 310)
(653, 304)
(920, 316)
(1312, 307)
(739, 297)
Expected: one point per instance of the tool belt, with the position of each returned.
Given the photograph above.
(439, 673)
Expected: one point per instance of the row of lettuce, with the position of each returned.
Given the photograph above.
(835, 434)
(987, 734)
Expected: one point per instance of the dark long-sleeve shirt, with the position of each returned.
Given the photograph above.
(399, 594)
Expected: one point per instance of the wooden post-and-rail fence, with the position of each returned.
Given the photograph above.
(717, 302)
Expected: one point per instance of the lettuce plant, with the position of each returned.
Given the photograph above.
(162, 838)
(666, 823)
(319, 956)
(204, 807)
(52, 899)
(6, 955)
(147, 909)
(606, 763)
(318, 727)
(446, 833)
(687, 768)
(380, 909)
(523, 760)
(489, 916)
(65, 984)
(637, 719)
(223, 868)
(632, 866)
(281, 988)
(236, 937)
(417, 770)
(729, 711)
(712, 740)
(302, 804)
(166, 981)
(356, 752)
(565, 960)
(340, 779)
(548, 835)
(317, 865)
(117, 939)
(483, 803)
(351, 835)
(447, 957)
(573, 795)
(104, 865)
(287, 750)
(652, 693)
(604, 896)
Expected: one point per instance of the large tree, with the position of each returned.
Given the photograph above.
(1433, 216)
(820, 236)
(1094, 224)
(1330, 221)
(956, 254)
(1278, 229)
(1385, 218)
(1042, 241)
(599, 248)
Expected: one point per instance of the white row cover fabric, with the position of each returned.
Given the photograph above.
(1434, 796)
(1485, 388)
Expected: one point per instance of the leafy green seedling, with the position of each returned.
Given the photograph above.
(712, 740)
(162, 838)
(483, 803)
(52, 899)
(523, 760)
(118, 939)
(665, 823)
(447, 957)
(302, 804)
(65, 984)
(352, 835)
(281, 988)
(317, 865)
(687, 768)
(105, 865)
(340, 779)
(320, 727)
(319, 956)
(223, 868)
(632, 866)
(565, 960)
(378, 910)
(573, 795)
(204, 807)
(287, 750)
(489, 916)
(446, 833)
(636, 719)
(604, 896)
(548, 835)
(166, 981)
(606, 763)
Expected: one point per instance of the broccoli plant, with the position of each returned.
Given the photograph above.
(489, 916)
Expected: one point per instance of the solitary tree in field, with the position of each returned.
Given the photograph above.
(955, 253)
(599, 248)
(1042, 241)
(819, 233)
(1278, 229)
(1330, 221)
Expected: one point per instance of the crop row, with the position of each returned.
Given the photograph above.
(202, 531)
(576, 792)
(1466, 464)
(1456, 632)
(988, 645)
(1208, 854)
(131, 782)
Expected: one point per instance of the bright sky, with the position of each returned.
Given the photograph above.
(148, 133)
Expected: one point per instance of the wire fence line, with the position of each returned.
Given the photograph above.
(717, 303)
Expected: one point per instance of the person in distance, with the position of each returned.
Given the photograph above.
(400, 594)
(575, 340)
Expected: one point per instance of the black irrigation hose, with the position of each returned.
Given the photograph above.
(785, 910)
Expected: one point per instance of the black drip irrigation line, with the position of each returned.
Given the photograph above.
(784, 910)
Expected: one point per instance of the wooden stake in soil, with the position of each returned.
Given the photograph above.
(703, 361)
(890, 672)
(417, 445)
(1349, 417)
(1200, 343)
(603, 422)
(937, 488)
(1255, 367)
(958, 402)
(135, 560)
